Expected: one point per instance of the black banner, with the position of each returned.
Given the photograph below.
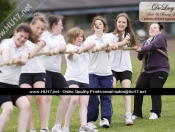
(90, 91)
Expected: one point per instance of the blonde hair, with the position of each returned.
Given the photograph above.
(103, 21)
(37, 17)
(73, 33)
(134, 39)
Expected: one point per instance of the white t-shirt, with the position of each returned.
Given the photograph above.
(34, 65)
(77, 66)
(10, 74)
(119, 59)
(52, 63)
(99, 61)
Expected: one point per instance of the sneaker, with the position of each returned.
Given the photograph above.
(134, 117)
(92, 124)
(87, 128)
(43, 130)
(47, 129)
(65, 129)
(104, 123)
(56, 129)
(128, 119)
(153, 115)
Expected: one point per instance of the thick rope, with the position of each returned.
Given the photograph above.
(143, 63)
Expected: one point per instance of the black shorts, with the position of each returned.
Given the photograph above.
(122, 75)
(81, 85)
(11, 98)
(31, 78)
(55, 80)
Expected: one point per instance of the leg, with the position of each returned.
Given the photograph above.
(157, 80)
(23, 104)
(7, 109)
(93, 110)
(72, 106)
(138, 99)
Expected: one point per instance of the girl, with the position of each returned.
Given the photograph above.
(120, 62)
(33, 73)
(100, 74)
(77, 77)
(54, 79)
(15, 52)
(156, 68)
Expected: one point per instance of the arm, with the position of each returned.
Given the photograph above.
(39, 45)
(86, 47)
(21, 60)
(157, 43)
(122, 43)
(5, 54)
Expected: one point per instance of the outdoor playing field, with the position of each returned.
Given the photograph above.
(164, 124)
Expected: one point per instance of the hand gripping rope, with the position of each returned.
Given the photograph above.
(143, 62)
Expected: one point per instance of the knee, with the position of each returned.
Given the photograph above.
(74, 101)
(48, 99)
(8, 110)
(39, 100)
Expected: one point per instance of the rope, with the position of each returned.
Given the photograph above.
(143, 63)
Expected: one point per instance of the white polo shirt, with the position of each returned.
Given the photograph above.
(34, 65)
(77, 67)
(52, 63)
(99, 61)
(119, 59)
(10, 74)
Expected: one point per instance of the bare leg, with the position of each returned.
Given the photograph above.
(7, 109)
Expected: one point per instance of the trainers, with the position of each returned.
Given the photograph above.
(134, 117)
(128, 119)
(92, 124)
(65, 129)
(87, 128)
(56, 129)
(104, 123)
(43, 130)
(153, 115)
(47, 129)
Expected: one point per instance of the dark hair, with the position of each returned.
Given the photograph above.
(53, 19)
(160, 26)
(24, 27)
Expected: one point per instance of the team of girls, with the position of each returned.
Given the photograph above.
(87, 67)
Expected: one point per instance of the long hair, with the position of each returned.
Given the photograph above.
(134, 39)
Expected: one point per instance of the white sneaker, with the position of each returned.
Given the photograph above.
(56, 129)
(128, 119)
(47, 129)
(104, 123)
(43, 130)
(87, 128)
(65, 129)
(153, 115)
(134, 117)
(92, 124)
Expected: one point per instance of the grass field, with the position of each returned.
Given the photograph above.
(164, 124)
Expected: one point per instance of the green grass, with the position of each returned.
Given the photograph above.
(163, 124)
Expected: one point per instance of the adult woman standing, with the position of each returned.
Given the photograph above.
(156, 66)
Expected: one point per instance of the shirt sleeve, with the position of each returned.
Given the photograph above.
(5, 45)
(109, 39)
(62, 41)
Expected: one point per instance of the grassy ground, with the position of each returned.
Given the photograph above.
(163, 124)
